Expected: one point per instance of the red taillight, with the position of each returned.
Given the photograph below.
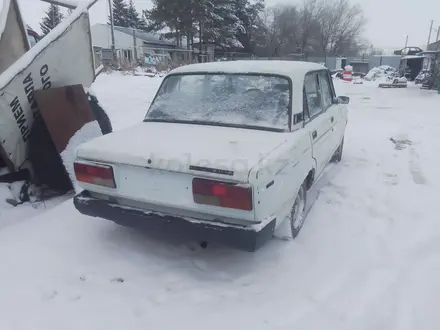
(222, 194)
(101, 175)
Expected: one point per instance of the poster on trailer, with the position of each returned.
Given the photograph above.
(63, 57)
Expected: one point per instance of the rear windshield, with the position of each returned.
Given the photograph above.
(241, 100)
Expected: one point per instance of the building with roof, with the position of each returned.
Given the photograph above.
(432, 65)
(435, 46)
(132, 46)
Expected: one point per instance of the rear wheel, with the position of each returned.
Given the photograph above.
(337, 157)
(298, 213)
(293, 223)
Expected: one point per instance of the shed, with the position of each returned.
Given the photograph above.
(411, 65)
(131, 44)
(360, 66)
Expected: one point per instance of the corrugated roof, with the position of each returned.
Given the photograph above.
(145, 36)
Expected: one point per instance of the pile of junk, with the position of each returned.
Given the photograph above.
(387, 77)
(423, 68)
(45, 99)
(429, 75)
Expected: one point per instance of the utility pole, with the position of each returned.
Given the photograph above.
(134, 50)
(429, 35)
(406, 42)
(200, 41)
(112, 28)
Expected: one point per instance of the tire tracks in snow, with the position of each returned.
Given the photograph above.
(414, 167)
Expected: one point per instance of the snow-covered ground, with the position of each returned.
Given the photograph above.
(368, 256)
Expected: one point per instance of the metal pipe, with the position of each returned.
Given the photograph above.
(429, 36)
(69, 3)
(112, 29)
(134, 51)
(63, 3)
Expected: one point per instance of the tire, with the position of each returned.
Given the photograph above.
(46, 162)
(48, 167)
(337, 156)
(298, 213)
(100, 115)
(293, 223)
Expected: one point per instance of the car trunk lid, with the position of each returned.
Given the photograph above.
(211, 151)
(155, 165)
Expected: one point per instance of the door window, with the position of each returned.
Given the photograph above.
(326, 90)
(313, 94)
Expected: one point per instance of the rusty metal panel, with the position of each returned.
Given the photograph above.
(64, 110)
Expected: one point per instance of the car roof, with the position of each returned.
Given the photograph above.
(296, 70)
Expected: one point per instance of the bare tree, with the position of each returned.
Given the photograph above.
(271, 32)
(375, 51)
(308, 26)
(341, 25)
(297, 27)
(316, 28)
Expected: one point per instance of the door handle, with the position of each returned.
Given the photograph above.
(314, 134)
(332, 120)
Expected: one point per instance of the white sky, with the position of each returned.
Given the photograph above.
(388, 20)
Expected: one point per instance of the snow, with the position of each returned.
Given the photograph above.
(387, 68)
(227, 148)
(293, 69)
(86, 133)
(367, 258)
(381, 73)
(141, 72)
(412, 57)
(134, 107)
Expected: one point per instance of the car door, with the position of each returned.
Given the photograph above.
(332, 110)
(337, 112)
(317, 121)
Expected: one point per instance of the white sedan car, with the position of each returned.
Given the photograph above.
(227, 151)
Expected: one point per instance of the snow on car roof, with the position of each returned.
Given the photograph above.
(292, 69)
(411, 57)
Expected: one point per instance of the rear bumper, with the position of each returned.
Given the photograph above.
(242, 238)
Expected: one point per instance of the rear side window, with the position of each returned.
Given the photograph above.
(313, 94)
(326, 90)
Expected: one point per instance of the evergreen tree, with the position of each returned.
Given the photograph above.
(53, 18)
(224, 22)
(133, 19)
(120, 13)
(249, 15)
(143, 24)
